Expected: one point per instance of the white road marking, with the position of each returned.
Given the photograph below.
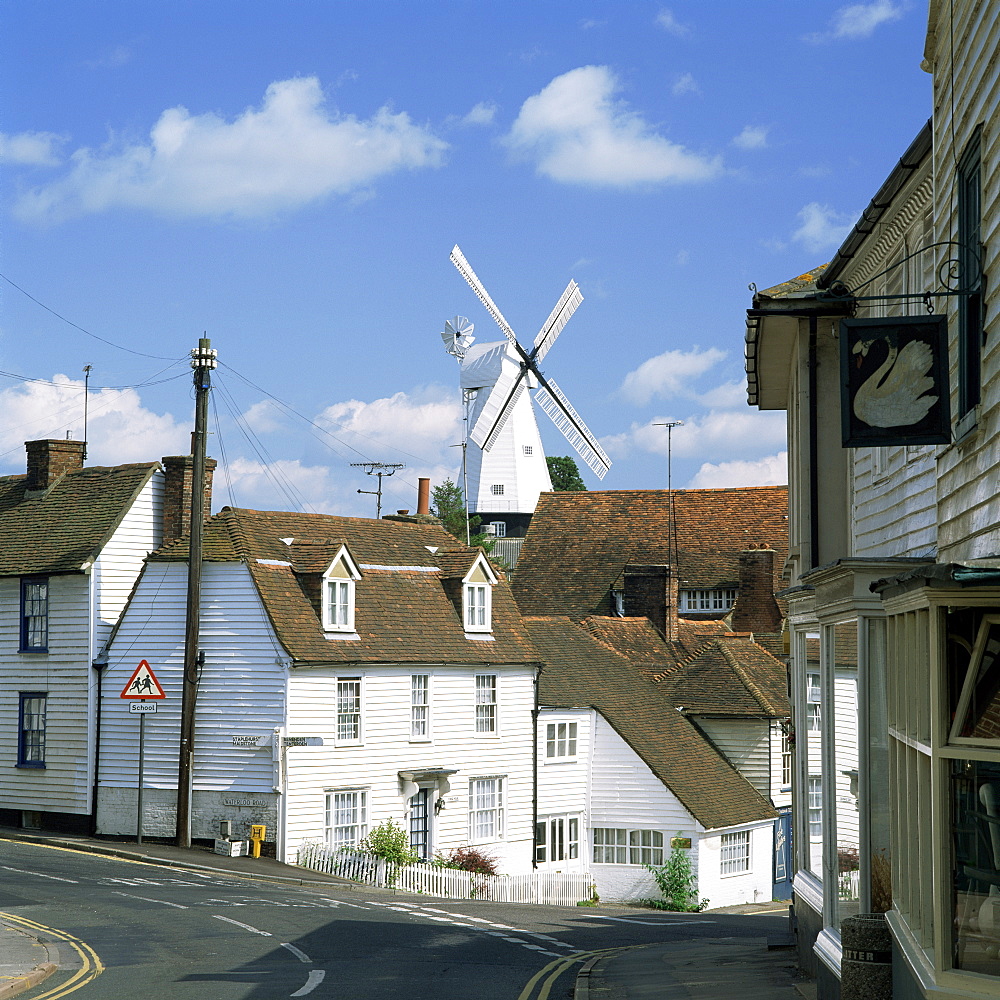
(56, 878)
(246, 927)
(460, 920)
(315, 978)
(297, 952)
(146, 899)
(654, 922)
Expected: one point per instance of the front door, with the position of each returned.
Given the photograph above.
(420, 824)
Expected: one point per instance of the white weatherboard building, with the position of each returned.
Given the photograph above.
(72, 543)
(895, 543)
(622, 774)
(382, 671)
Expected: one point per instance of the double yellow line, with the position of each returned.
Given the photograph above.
(555, 969)
(90, 965)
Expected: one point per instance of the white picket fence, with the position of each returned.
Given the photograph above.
(555, 888)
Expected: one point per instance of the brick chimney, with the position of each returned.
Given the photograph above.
(650, 593)
(177, 474)
(50, 459)
(755, 609)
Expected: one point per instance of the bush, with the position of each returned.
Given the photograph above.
(390, 842)
(468, 859)
(678, 883)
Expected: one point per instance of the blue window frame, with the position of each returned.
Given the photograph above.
(34, 614)
(31, 729)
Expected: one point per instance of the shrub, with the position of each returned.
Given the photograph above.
(848, 859)
(468, 859)
(678, 883)
(390, 842)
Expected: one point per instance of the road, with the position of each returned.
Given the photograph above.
(127, 929)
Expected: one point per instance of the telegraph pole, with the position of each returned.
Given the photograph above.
(203, 360)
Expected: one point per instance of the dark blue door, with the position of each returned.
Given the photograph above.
(782, 888)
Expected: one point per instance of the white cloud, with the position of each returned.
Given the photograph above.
(36, 149)
(423, 423)
(120, 429)
(729, 395)
(723, 435)
(685, 84)
(859, 20)
(264, 417)
(577, 133)
(752, 137)
(284, 154)
(665, 19)
(282, 485)
(772, 470)
(668, 374)
(482, 113)
(822, 228)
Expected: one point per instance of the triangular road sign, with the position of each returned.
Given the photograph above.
(142, 684)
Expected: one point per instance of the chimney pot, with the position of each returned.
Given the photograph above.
(423, 495)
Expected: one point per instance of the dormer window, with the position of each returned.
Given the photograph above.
(477, 607)
(477, 597)
(338, 593)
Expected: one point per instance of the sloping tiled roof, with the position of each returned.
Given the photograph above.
(403, 613)
(580, 671)
(730, 676)
(57, 531)
(579, 543)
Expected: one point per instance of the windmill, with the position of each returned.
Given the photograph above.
(507, 470)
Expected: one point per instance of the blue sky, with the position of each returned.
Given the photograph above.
(289, 179)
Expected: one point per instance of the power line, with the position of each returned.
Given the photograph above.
(76, 326)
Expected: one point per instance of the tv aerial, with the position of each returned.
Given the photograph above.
(378, 469)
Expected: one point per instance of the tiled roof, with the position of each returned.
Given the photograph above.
(730, 676)
(57, 531)
(579, 671)
(403, 612)
(579, 543)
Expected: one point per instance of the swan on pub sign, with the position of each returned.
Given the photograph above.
(894, 395)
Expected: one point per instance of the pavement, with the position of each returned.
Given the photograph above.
(719, 968)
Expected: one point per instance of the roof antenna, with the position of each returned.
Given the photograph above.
(86, 400)
(379, 469)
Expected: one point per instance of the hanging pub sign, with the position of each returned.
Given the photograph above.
(894, 381)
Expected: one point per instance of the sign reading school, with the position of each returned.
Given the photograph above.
(142, 684)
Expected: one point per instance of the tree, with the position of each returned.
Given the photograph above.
(564, 474)
(449, 506)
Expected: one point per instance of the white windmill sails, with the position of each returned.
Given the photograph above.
(507, 370)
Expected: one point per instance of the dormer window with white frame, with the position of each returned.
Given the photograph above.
(477, 597)
(339, 593)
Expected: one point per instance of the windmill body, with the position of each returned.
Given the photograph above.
(504, 482)
(505, 464)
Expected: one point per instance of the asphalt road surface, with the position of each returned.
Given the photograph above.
(129, 930)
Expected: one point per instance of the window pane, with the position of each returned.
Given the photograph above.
(349, 709)
(34, 614)
(346, 818)
(419, 705)
(485, 809)
(32, 732)
(975, 818)
(486, 698)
